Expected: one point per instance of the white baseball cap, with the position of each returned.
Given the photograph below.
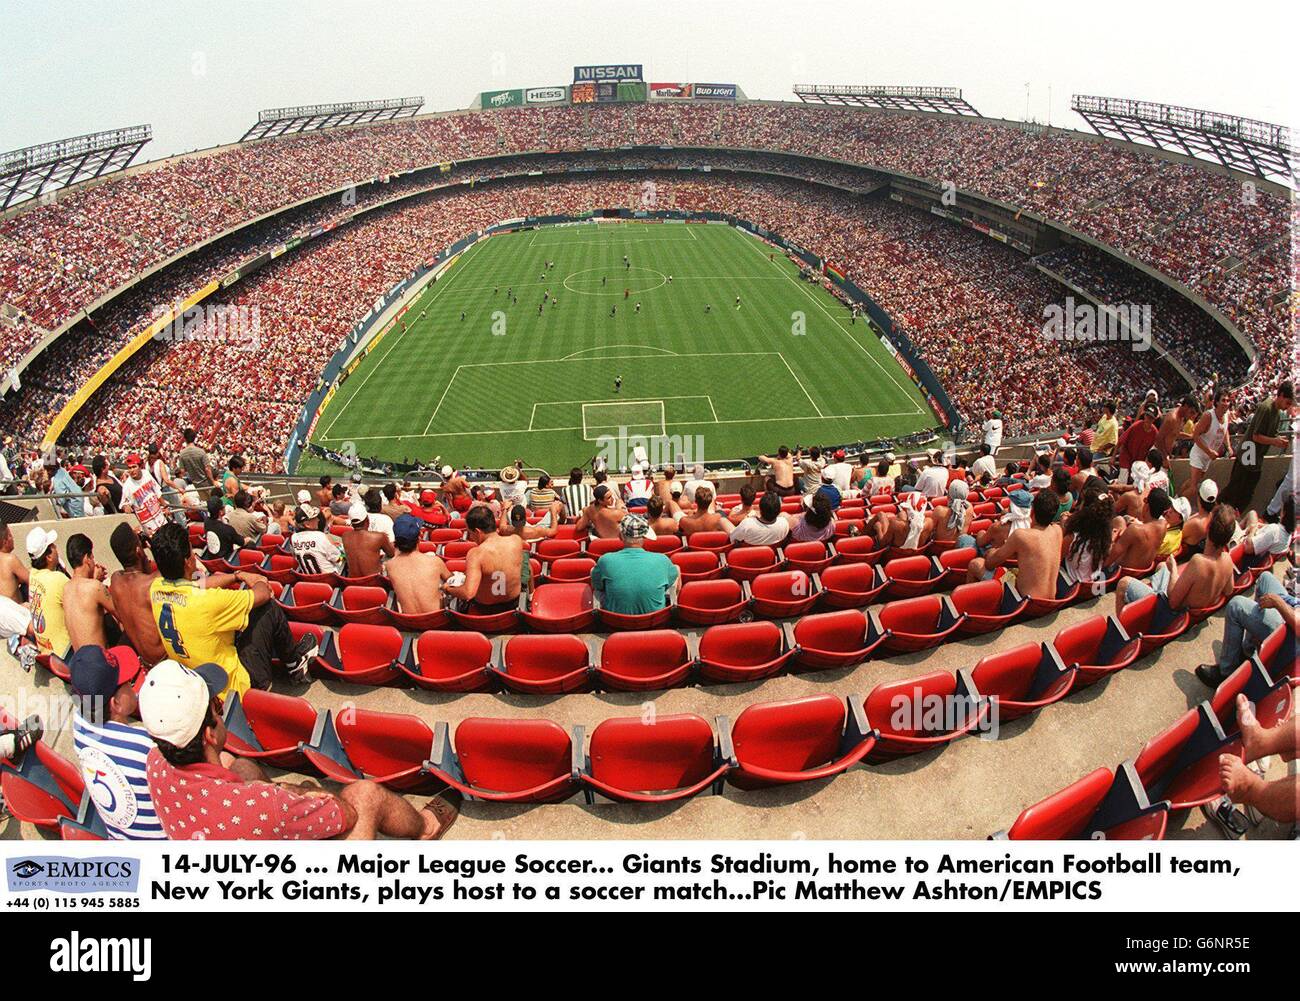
(1183, 506)
(1209, 491)
(447, 471)
(39, 540)
(174, 700)
(357, 513)
(304, 497)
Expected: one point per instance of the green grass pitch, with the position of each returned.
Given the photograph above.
(506, 382)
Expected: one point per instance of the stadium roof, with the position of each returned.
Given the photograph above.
(943, 99)
(1245, 144)
(312, 117)
(30, 172)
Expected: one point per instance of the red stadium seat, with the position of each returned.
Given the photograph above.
(783, 594)
(835, 639)
(921, 714)
(390, 748)
(284, 568)
(744, 651)
(1098, 646)
(269, 727)
(363, 655)
(250, 559)
(668, 758)
(368, 580)
(1100, 805)
(987, 605)
(44, 789)
(570, 532)
(708, 602)
(810, 557)
(575, 570)
(645, 661)
(711, 542)
(798, 740)
(747, 562)
(457, 550)
(508, 760)
(851, 585)
(450, 662)
(1198, 615)
(1153, 621)
(368, 605)
(307, 602)
(1182, 763)
(479, 619)
(545, 665)
(620, 622)
(912, 576)
(270, 543)
(1023, 679)
(859, 549)
(596, 548)
(695, 566)
(1067, 591)
(86, 826)
(559, 608)
(549, 550)
(918, 623)
(416, 622)
(1272, 700)
(847, 528)
(954, 563)
(1277, 655)
(441, 536)
(663, 544)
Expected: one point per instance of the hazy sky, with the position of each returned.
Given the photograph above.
(200, 72)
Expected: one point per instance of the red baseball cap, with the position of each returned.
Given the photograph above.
(428, 497)
(134, 459)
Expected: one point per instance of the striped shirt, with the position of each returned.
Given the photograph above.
(112, 757)
(576, 496)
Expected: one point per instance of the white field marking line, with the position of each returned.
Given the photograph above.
(554, 361)
(532, 417)
(676, 278)
(838, 326)
(801, 386)
(380, 363)
(602, 347)
(747, 420)
(442, 397)
(663, 430)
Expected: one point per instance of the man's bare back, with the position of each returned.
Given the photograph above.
(85, 602)
(365, 551)
(492, 569)
(12, 575)
(417, 581)
(130, 593)
(1038, 554)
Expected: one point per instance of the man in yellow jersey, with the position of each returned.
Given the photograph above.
(242, 631)
(45, 585)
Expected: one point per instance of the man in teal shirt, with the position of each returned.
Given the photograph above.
(633, 581)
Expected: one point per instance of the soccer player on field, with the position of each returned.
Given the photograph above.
(618, 384)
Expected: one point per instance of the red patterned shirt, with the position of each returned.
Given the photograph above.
(206, 802)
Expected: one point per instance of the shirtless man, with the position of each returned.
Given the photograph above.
(13, 573)
(602, 516)
(85, 598)
(129, 591)
(1139, 540)
(1204, 580)
(781, 480)
(365, 549)
(1198, 525)
(664, 487)
(493, 577)
(703, 518)
(661, 516)
(1037, 550)
(325, 493)
(417, 577)
(897, 530)
(1172, 424)
(747, 506)
(454, 488)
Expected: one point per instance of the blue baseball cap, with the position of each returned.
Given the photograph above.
(99, 673)
(407, 528)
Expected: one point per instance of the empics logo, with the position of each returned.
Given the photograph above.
(75, 954)
(56, 874)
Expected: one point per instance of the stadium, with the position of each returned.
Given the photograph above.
(840, 295)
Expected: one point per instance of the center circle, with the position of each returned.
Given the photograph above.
(635, 280)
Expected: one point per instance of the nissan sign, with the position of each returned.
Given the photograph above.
(613, 74)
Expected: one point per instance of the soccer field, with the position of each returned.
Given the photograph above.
(480, 380)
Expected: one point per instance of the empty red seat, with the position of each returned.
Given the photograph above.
(644, 661)
(549, 550)
(363, 654)
(269, 727)
(1023, 679)
(507, 760)
(694, 565)
(1067, 591)
(571, 570)
(390, 748)
(747, 562)
(918, 623)
(665, 544)
(836, 639)
(596, 548)
(1277, 654)
(284, 568)
(250, 559)
(673, 758)
(954, 563)
(457, 550)
(810, 557)
(986, 606)
(1097, 646)
(308, 602)
(851, 585)
(783, 594)
(713, 542)
(44, 789)
(846, 528)
(798, 740)
(1151, 619)
(743, 651)
(559, 608)
(270, 543)
(1182, 763)
(1272, 700)
(441, 536)
(912, 576)
(451, 661)
(708, 602)
(479, 619)
(361, 604)
(1099, 805)
(545, 665)
(921, 714)
(858, 549)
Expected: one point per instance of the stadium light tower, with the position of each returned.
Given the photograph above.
(36, 170)
(313, 117)
(946, 100)
(1244, 144)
